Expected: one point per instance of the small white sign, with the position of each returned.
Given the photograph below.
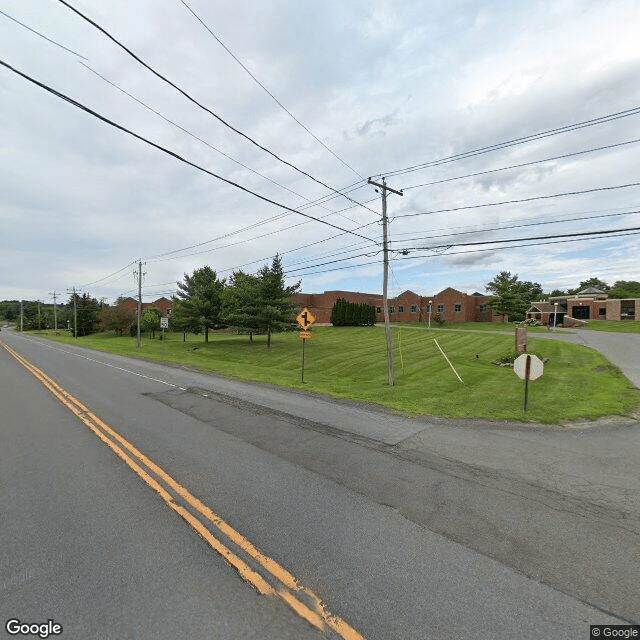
(164, 323)
(536, 368)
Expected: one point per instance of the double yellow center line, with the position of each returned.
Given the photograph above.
(266, 575)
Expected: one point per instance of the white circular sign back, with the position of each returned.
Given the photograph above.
(536, 367)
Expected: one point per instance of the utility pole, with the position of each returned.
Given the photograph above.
(139, 275)
(385, 284)
(21, 316)
(55, 311)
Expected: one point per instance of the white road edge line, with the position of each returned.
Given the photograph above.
(106, 364)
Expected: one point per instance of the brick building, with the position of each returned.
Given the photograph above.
(163, 304)
(450, 304)
(588, 304)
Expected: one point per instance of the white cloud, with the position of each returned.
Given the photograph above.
(385, 85)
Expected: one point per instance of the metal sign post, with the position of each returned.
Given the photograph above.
(164, 324)
(528, 367)
(305, 319)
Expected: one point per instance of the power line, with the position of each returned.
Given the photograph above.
(199, 104)
(560, 235)
(494, 204)
(84, 286)
(260, 84)
(41, 35)
(304, 246)
(451, 253)
(517, 141)
(469, 244)
(204, 142)
(189, 133)
(479, 228)
(520, 246)
(527, 224)
(79, 105)
(523, 164)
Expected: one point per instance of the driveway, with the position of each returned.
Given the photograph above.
(621, 349)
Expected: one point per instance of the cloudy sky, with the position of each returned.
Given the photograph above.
(321, 97)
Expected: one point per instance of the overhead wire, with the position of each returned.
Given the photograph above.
(523, 164)
(115, 273)
(517, 226)
(95, 114)
(515, 141)
(261, 85)
(451, 253)
(519, 200)
(204, 142)
(199, 104)
(41, 35)
(480, 228)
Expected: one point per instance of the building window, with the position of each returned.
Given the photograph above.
(602, 312)
(378, 309)
(482, 308)
(457, 308)
(401, 309)
(414, 308)
(391, 309)
(440, 308)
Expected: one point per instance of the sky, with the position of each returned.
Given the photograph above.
(482, 113)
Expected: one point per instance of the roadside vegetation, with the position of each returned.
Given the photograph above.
(350, 363)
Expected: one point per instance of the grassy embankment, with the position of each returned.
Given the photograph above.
(346, 362)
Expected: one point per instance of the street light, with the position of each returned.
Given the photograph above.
(430, 305)
(555, 314)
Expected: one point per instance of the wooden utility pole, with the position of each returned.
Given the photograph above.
(139, 275)
(385, 283)
(55, 311)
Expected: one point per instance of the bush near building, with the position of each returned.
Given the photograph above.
(352, 314)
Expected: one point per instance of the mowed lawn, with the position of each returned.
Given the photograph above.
(350, 362)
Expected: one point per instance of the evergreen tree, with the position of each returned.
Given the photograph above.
(200, 298)
(240, 303)
(275, 309)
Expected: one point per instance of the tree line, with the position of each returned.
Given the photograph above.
(256, 303)
(249, 303)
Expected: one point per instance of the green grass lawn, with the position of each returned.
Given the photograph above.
(488, 327)
(617, 326)
(350, 362)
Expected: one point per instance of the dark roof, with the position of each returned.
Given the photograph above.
(589, 290)
(546, 307)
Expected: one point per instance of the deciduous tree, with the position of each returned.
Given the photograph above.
(512, 297)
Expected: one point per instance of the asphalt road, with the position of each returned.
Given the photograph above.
(389, 527)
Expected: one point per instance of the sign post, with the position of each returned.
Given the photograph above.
(305, 319)
(164, 324)
(528, 367)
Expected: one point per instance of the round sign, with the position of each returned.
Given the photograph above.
(536, 367)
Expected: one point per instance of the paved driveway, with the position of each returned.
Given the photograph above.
(621, 349)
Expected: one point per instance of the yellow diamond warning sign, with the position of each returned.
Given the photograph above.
(305, 319)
